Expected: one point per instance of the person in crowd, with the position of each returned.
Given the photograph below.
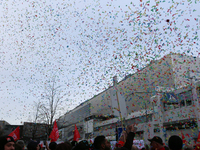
(63, 146)
(33, 145)
(73, 143)
(156, 143)
(82, 145)
(130, 132)
(68, 143)
(126, 140)
(7, 143)
(101, 143)
(175, 143)
(18, 147)
(134, 147)
(52, 145)
(40, 147)
(21, 143)
(166, 148)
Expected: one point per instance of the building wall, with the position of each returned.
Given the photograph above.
(182, 66)
(137, 90)
(141, 86)
(101, 103)
(74, 116)
(167, 74)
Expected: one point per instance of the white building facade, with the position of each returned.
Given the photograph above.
(162, 99)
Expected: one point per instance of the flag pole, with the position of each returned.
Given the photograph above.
(120, 114)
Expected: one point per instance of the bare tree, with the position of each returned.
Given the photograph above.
(51, 101)
(36, 117)
(31, 127)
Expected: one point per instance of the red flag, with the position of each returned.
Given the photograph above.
(198, 139)
(15, 134)
(119, 144)
(41, 145)
(54, 133)
(76, 134)
(183, 138)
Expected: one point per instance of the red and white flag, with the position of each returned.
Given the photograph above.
(15, 134)
(54, 133)
(76, 134)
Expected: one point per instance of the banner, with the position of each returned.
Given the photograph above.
(119, 133)
(15, 134)
(138, 143)
(54, 133)
(115, 105)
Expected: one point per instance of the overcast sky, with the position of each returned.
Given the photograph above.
(84, 44)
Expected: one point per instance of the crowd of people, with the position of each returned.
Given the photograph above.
(100, 143)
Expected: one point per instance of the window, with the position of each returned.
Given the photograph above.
(170, 101)
(185, 98)
(170, 106)
(188, 98)
(198, 91)
(182, 103)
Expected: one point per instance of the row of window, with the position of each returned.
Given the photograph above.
(178, 101)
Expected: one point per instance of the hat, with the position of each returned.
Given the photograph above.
(32, 145)
(175, 142)
(4, 140)
(156, 139)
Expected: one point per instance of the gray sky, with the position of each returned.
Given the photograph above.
(84, 43)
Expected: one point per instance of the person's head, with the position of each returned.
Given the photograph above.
(82, 145)
(21, 143)
(100, 142)
(18, 147)
(73, 143)
(175, 143)
(33, 145)
(134, 147)
(63, 146)
(156, 142)
(52, 145)
(69, 144)
(7, 143)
